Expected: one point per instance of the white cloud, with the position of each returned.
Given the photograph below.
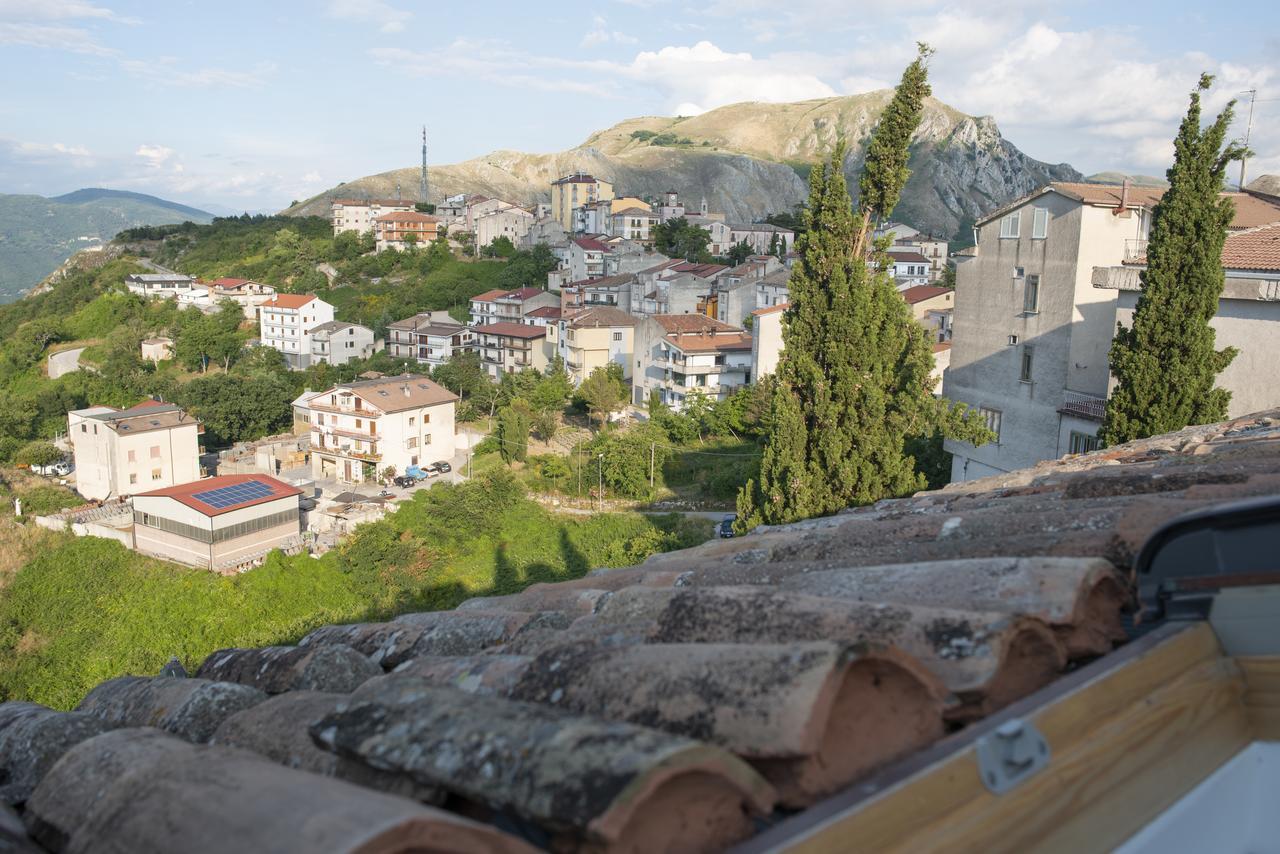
(48, 150)
(386, 17)
(601, 34)
(170, 71)
(154, 156)
(72, 39)
(53, 10)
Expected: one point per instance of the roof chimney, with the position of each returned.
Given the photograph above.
(1124, 196)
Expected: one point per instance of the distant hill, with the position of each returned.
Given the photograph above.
(1135, 180)
(37, 234)
(751, 159)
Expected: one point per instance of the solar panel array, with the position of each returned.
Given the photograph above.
(228, 496)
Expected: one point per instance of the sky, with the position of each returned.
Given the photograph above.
(237, 106)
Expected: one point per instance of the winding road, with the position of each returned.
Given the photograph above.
(64, 362)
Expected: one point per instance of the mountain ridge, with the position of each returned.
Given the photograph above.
(38, 234)
(751, 159)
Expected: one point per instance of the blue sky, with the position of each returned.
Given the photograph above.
(237, 105)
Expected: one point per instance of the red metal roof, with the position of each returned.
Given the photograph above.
(185, 493)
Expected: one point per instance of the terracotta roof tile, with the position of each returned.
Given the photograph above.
(920, 293)
(511, 330)
(602, 316)
(651, 706)
(1254, 249)
(288, 301)
(771, 309)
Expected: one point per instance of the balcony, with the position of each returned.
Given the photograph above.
(1080, 405)
(1135, 250)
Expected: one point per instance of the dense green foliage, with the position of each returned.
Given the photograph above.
(679, 238)
(853, 385)
(1165, 365)
(87, 609)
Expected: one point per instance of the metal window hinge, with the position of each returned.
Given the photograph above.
(1011, 753)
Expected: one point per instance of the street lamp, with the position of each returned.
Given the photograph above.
(600, 487)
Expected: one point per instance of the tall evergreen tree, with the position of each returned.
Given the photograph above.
(1166, 366)
(853, 383)
(885, 171)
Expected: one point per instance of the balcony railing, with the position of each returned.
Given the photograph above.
(1135, 250)
(1081, 405)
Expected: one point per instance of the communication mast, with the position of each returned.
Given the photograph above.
(422, 188)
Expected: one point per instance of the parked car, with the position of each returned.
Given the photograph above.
(440, 467)
(725, 527)
(403, 481)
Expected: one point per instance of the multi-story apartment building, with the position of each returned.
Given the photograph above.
(509, 306)
(400, 229)
(689, 354)
(572, 192)
(428, 339)
(160, 285)
(245, 293)
(910, 268)
(733, 296)
(285, 323)
(123, 452)
(615, 291)
(760, 236)
(926, 298)
(766, 339)
(508, 348)
(933, 249)
(774, 289)
(1032, 332)
(360, 429)
(592, 338)
(359, 214)
(338, 342)
(633, 223)
(510, 222)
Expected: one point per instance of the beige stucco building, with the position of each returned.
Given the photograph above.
(678, 356)
(593, 338)
(124, 452)
(572, 192)
(508, 348)
(359, 429)
(225, 523)
(766, 339)
(359, 214)
(1031, 332)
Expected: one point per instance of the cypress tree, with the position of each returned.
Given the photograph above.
(1166, 366)
(885, 171)
(853, 383)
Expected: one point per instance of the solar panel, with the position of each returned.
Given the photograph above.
(228, 496)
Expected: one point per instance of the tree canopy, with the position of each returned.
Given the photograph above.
(1166, 365)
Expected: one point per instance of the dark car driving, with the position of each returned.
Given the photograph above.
(441, 466)
(403, 481)
(725, 527)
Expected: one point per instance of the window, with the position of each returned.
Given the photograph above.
(411, 420)
(155, 452)
(84, 428)
(155, 474)
(1011, 225)
(992, 418)
(1013, 340)
(1040, 224)
(133, 478)
(1019, 273)
(617, 336)
(426, 418)
(1031, 294)
(411, 442)
(1083, 443)
(426, 440)
(359, 423)
(133, 456)
(1028, 358)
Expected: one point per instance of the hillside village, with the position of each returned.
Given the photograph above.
(616, 522)
(673, 332)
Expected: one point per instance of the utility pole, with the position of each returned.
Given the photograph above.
(579, 471)
(600, 488)
(1253, 96)
(653, 446)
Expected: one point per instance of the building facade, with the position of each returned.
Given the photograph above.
(338, 342)
(124, 452)
(159, 285)
(360, 429)
(510, 222)
(682, 355)
(285, 323)
(509, 306)
(429, 340)
(358, 215)
(593, 338)
(245, 293)
(572, 192)
(401, 229)
(766, 340)
(508, 348)
(225, 523)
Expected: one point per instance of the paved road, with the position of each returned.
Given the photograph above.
(156, 268)
(64, 362)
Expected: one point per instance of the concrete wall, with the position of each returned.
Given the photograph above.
(1253, 327)
(104, 467)
(766, 344)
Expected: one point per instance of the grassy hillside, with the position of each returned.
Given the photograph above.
(38, 234)
(84, 610)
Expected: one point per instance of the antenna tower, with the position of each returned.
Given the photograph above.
(422, 188)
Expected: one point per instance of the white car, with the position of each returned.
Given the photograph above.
(61, 468)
